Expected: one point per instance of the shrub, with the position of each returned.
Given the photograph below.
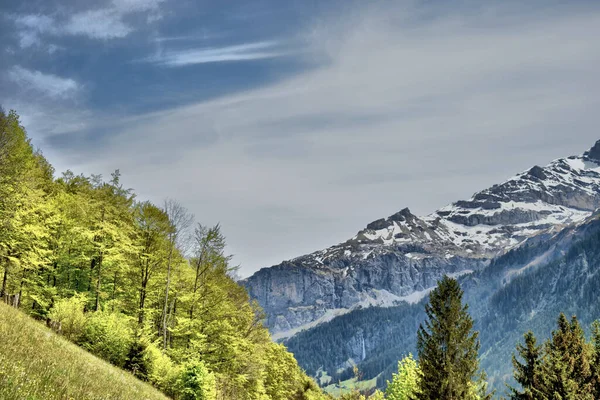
(196, 382)
(137, 360)
(163, 371)
(68, 313)
(109, 336)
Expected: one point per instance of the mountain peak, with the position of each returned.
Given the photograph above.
(594, 152)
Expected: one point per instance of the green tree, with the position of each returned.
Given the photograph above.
(377, 395)
(180, 221)
(111, 233)
(404, 384)
(567, 368)
(82, 253)
(24, 176)
(152, 226)
(197, 382)
(596, 359)
(528, 372)
(447, 345)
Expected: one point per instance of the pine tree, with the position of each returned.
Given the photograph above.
(567, 368)
(528, 372)
(447, 346)
(596, 359)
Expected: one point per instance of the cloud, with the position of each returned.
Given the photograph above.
(30, 27)
(98, 23)
(131, 6)
(402, 106)
(243, 52)
(50, 85)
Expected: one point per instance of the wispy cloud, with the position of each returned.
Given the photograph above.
(401, 107)
(242, 52)
(96, 23)
(47, 84)
(29, 27)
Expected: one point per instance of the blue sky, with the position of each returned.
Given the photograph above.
(295, 123)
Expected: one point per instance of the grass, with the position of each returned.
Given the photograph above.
(347, 386)
(37, 364)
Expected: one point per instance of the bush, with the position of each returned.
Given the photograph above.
(109, 336)
(163, 372)
(68, 313)
(196, 382)
(137, 360)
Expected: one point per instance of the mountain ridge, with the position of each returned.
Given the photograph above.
(399, 258)
(523, 289)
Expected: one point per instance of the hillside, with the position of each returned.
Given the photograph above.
(37, 364)
(139, 285)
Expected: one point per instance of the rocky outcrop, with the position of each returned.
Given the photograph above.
(399, 258)
(297, 295)
(593, 154)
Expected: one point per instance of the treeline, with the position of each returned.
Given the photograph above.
(566, 366)
(135, 283)
(329, 345)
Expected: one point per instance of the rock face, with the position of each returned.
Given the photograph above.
(522, 290)
(401, 257)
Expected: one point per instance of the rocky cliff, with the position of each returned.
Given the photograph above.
(400, 258)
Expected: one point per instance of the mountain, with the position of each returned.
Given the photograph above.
(398, 260)
(524, 289)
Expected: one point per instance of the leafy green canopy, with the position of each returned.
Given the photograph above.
(130, 281)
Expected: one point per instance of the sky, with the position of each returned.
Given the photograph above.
(295, 123)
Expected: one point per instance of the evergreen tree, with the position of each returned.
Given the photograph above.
(596, 359)
(447, 345)
(528, 372)
(567, 368)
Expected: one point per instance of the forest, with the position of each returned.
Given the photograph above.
(149, 290)
(137, 284)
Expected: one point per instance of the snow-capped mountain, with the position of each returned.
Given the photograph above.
(401, 257)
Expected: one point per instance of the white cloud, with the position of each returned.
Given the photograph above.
(96, 23)
(30, 27)
(131, 6)
(48, 84)
(243, 52)
(402, 111)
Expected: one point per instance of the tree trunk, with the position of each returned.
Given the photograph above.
(5, 277)
(165, 308)
(98, 283)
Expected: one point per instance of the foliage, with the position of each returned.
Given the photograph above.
(405, 383)
(377, 395)
(163, 372)
(69, 314)
(447, 346)
(138, 361)
(564, 367)
(128, 281)
(37, 364)
(108, 335)
(528, 372)
(196, 382)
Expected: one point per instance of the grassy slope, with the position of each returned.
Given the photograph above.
(338, 389)
(36, 364)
